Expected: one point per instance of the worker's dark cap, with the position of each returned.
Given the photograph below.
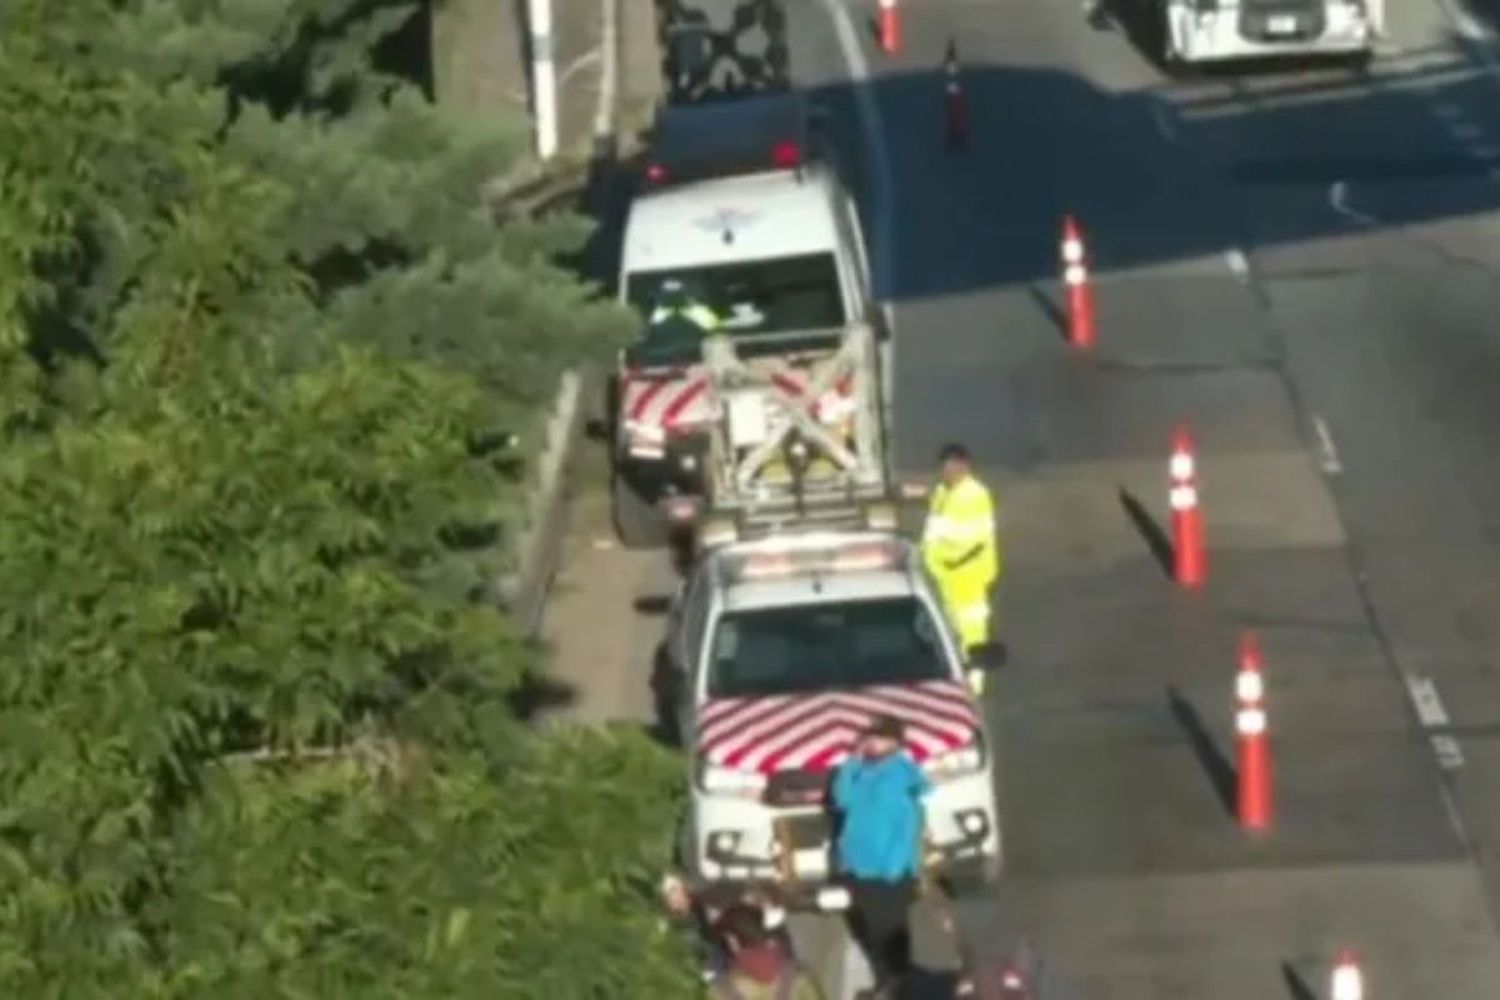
(887, 726)
(953, 451)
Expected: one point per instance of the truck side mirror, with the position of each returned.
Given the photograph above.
(988, 656)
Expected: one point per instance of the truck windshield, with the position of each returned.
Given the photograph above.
(780, 295)
(825, 646)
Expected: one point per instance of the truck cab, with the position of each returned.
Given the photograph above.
(781, 651)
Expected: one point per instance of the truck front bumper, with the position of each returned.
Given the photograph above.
(737, 844)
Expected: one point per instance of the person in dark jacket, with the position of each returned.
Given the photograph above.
(760, 968)
(878, 793)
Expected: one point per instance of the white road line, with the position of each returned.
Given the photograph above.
(1429, 704)
(1431, 713)
(1446, 110)
(1238, 263)
(1473, 32)
(1465, 131)
(1338, 200)
(1485, 151)
(1449, 754)
(1468, 27)
(1495, 174)
(1328, 455)
(1163, 114)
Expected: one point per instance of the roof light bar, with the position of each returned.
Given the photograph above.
(786, 155)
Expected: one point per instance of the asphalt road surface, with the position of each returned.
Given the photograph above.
(1301, 265)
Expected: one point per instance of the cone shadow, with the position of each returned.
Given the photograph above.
(1296, 986)
(1050, 309)
(1151, 533)
(1215, 764)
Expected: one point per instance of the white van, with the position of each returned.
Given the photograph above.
(773, 252)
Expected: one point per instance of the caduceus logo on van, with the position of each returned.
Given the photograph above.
(725, 220)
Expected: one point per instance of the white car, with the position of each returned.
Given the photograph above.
(781, 651)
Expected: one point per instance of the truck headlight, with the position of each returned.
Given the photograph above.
(964, 762)
(716, 780)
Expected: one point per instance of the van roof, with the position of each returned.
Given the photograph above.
(771, 214)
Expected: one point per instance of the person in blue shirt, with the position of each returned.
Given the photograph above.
(878, 793)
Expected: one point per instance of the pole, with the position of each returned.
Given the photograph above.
(543, 77)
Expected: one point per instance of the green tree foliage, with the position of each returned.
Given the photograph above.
(248, 748)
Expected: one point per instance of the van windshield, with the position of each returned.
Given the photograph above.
(820, 647)
(779, 295)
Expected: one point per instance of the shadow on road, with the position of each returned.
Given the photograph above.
(1296, 986)
(1216, 766)
(1048, 142)
(1151, 533)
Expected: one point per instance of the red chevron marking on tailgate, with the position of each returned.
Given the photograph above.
(641, 394)
(722, 708)
(767, 735)
(768, 755)
(746, 713)
(745, 743)
(844, 732)
(931, 712)
(829, 748)
(920, 725)
(679, 405)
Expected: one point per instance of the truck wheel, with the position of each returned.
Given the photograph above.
(637, 521)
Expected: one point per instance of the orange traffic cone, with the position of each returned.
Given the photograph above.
(955, 101)
(1189, 560)
(1254, 798)
(889, 27)
(1080, 294)
(1348, 979)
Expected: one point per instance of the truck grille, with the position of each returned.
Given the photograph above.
(796, 788)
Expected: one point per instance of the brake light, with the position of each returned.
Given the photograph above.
(864, 559)
(767, 567)
(786, 155)
(656, 173)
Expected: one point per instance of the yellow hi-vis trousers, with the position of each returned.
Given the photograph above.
(967, 598)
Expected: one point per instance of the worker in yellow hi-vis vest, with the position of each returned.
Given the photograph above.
(962, 552)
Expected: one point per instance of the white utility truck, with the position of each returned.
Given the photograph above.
(775, 250)
(781, 650)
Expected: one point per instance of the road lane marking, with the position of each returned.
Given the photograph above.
(1235, 258)
(1474, 33)
(1431, 713)
(1495, 174)
(1445, 110)
(1162, 114)
(1338, 200)
(1471, 29)
(1428, 702)
(1328, 455)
